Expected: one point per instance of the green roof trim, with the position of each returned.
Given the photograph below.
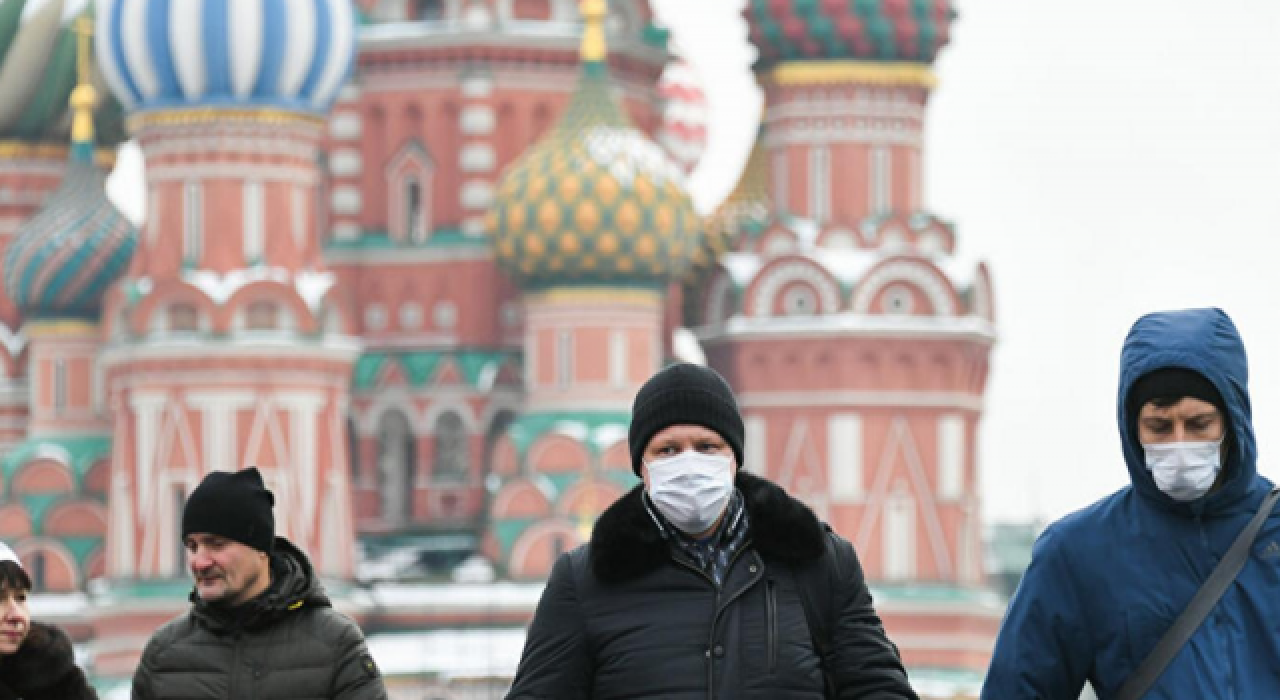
(596, 430)
(420, 368)
(38, 505)
(80, 453)
(381, 240)
(81, 547)
(508, 531)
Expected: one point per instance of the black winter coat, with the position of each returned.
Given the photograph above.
(43, 668)
(287, 644)
(627, 617)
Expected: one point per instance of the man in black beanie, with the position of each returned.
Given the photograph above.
(702, 550)
(261, 624)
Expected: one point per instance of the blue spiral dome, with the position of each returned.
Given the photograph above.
(179, 54)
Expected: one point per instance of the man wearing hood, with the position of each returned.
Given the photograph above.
(260, 625)
(1106, 583)
(694, 584)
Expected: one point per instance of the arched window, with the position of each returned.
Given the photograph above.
(397, 459)
(452, 461)
(413, 208)
(262, 316)
(426, 10)
(183, 318)
(353, 450)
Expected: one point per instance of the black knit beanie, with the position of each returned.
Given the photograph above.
(1172, 383)
(684, 394)
(235, 505)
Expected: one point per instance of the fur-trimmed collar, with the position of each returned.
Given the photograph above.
(627, 544)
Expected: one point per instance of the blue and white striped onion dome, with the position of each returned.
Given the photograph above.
(178, 54)
(63, 260)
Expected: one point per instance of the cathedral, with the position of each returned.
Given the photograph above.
(413, 258)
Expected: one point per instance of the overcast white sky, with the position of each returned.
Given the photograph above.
(1107, 158)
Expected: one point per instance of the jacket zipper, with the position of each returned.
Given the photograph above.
(715, 613)
(771, 624)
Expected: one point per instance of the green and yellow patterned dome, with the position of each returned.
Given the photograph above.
(594, 202)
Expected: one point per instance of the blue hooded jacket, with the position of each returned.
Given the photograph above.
(1106, 582)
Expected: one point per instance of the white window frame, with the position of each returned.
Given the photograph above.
(844, 457)
(819, 183)
(881, 179)
(254, 222)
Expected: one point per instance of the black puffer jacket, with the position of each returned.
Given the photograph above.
(43, 668)
(629, 618)
(289, 643)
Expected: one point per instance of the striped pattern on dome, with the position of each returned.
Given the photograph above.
(684, 115)
(38, 72)
(63, 260)
(594, 202)
(871, 30)
(174, 54)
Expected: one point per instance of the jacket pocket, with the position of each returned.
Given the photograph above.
(771, 624)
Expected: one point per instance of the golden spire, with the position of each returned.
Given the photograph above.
(594, 47)
(84, 98)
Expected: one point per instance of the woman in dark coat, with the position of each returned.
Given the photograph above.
(36, 660)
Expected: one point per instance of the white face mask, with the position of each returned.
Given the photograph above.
(691, 489)
(1184, 470)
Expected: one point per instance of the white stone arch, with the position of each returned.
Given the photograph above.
(917, 274)
(763, 292)
(441, 405)
(981, 302)
(719, 293)
(383, 401)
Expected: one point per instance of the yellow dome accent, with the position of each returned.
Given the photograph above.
(607, 244)
(533, 246)
(623, 265)
(506, 249)
(607, 190)
(569, 244)
(628, 217)
(588, 262)
(664, 220)
(537, 188)
(570, 188)
(644, 190)
(490, 221)
(587, 217)
(549, 216)
(645, 247)
(517, 218)
(555, 262)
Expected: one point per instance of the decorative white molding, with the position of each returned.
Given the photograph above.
(936, 288)
(477, 158)
(765, 290)
(347, 199)
(345, 162)
(345, 126)
(477, 119)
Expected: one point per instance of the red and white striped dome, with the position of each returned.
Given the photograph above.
(684, 116)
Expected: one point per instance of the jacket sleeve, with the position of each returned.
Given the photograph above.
(142, 675)
(1043, 651)
(864, 663)
(356, 675)
(556, 663)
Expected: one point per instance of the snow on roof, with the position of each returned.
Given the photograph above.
(219, 288)
(500, 596)
(312, 286)
(846, 322)
(58, 604)
(742, 267)
(608, 435)
(473, 653)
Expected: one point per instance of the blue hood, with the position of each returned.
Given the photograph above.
(1207, 342)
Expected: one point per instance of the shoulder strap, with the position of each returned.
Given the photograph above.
(1198, 609)
(816, 583)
